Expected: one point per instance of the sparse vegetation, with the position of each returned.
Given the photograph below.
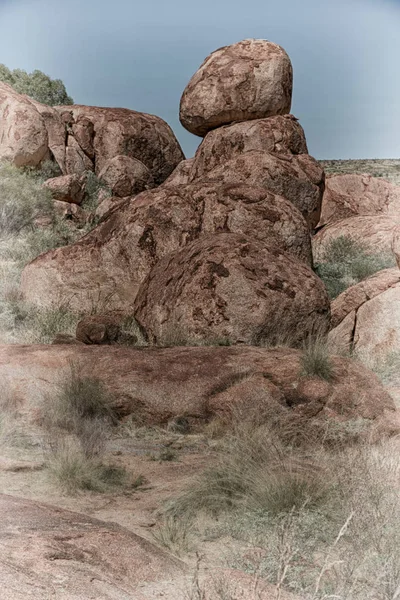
(346, 262)
(78, 420)
(93, 187)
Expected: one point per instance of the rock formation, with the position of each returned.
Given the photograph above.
(251, 181)
(84, 138)
(159, 385)
(365, 317)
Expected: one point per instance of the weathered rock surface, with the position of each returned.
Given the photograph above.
(68, 188)
(110, 263)
(374, 232)
(126, 176)
(251, 79)
(23, 135)
(358, 195)
(180, 175)
(366, 317)
(158, 384)
(281, 135)
(229, 286)
(48, 552)
(109, 132)
(299, 179)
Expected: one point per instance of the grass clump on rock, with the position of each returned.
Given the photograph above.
(345, 262)
(316, 360)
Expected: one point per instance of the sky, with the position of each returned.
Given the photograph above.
(140, 54)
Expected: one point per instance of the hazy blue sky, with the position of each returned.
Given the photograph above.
(140, 55)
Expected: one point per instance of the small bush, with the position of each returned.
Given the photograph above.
(346, 262)
(22, 200)
(74, 471)
(315, 360)
(80, 398)
(173, 534)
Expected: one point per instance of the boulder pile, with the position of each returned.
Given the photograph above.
(221, 250)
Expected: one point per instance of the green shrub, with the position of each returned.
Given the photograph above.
(346, 262)
(36, 85)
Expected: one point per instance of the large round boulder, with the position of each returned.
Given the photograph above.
(108, 265)
(281, 134)
(300, 178)
(353, 195)
(251, 79)
(230, 287)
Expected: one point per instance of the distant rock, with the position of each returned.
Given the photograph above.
(180, 175)
(353, 195)
(231, 287)
(251, 79)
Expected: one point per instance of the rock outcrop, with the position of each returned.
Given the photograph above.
(85, 138)
(375, 233)
(251, 180)
(353, 195)
(158, 384)
(23, 135)
(299, 179)
(249, 80)
(279, 135)
(365, 317)
(231, 287)
(102, 134)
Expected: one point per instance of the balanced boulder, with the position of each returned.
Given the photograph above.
(251, 79)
